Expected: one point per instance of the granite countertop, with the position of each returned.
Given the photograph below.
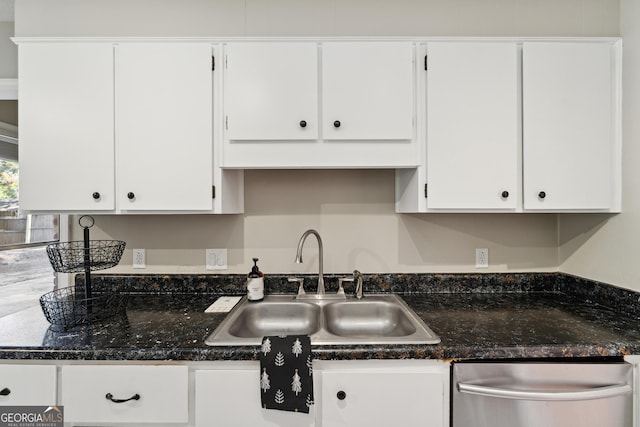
(491, 316)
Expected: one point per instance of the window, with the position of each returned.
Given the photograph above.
(25, 272)
(15, 228)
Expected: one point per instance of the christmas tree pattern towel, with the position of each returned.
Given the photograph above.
(286, 373)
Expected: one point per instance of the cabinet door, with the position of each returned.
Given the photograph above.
(164, 126)
(568, 125)
(107, 394)
(27, 385)
(368, 91)
(66, 148)
(472, 125)
(352, 398)
(231, 398)
(271, 91)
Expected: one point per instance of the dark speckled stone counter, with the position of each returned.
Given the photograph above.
(477, 316)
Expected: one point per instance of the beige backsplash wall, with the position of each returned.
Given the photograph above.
(354, 210)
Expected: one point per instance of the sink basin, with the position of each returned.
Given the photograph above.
(276, 318)
(368, 318)
(375, 319)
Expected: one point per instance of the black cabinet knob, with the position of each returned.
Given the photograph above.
(505, 194)
(303, 123)
(341, 395)
(96, 195)
(131, 195)
(336, 124)
(542, 195)
(5, 392)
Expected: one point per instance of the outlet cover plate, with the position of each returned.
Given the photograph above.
(482, 258)
(216, 259)
(139, 258)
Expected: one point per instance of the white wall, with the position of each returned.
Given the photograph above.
(317, 17)
(353, 210)
(8, 52)
(598, 247)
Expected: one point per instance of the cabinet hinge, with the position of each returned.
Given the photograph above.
(213, 63)
(426, 192)
(213, 191)
(226, 122)
(425, 62)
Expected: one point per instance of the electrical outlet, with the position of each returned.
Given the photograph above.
(139, 258)
(216, 259)
(482, 258)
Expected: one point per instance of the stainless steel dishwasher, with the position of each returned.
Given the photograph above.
(531, 394)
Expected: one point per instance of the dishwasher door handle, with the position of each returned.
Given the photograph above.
(507, 393)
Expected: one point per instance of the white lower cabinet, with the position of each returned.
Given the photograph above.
(383, 393)
(124, 395)
(347, 393)
(33, 385)
(230, 397)
(227, 393)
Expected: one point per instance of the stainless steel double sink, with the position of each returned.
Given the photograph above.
(375, 319)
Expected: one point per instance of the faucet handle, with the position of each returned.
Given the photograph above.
(342, 280)
(300, 282)
(357, 277)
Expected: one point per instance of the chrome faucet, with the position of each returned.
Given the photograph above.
(357, 277)
(320, 250)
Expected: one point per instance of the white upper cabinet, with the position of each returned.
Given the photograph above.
(493, 125)
(570, 119)
(472, 125)
(66, 148)
(121, 128)
(319, 105)
(164, 139)
(518, 126)
(368, 91)
(271, 91)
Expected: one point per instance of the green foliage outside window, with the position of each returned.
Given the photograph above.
(8, 180)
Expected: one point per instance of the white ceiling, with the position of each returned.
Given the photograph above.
(7, 10)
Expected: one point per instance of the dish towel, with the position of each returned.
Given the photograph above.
(286, 374)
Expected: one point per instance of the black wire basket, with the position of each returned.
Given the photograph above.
(73, 257)
(68, 307)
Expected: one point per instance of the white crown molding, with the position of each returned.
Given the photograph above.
(416, 39)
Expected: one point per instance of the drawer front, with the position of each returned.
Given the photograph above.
(125, 394)
(27, 385)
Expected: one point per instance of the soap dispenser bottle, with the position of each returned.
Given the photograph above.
(255, 283)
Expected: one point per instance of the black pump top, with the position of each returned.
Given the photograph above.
(255, 271)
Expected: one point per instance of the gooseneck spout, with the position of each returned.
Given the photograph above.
(320, 251)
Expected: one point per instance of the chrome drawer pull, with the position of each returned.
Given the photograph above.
(506, 393)
(5, 391)
(134, 397)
